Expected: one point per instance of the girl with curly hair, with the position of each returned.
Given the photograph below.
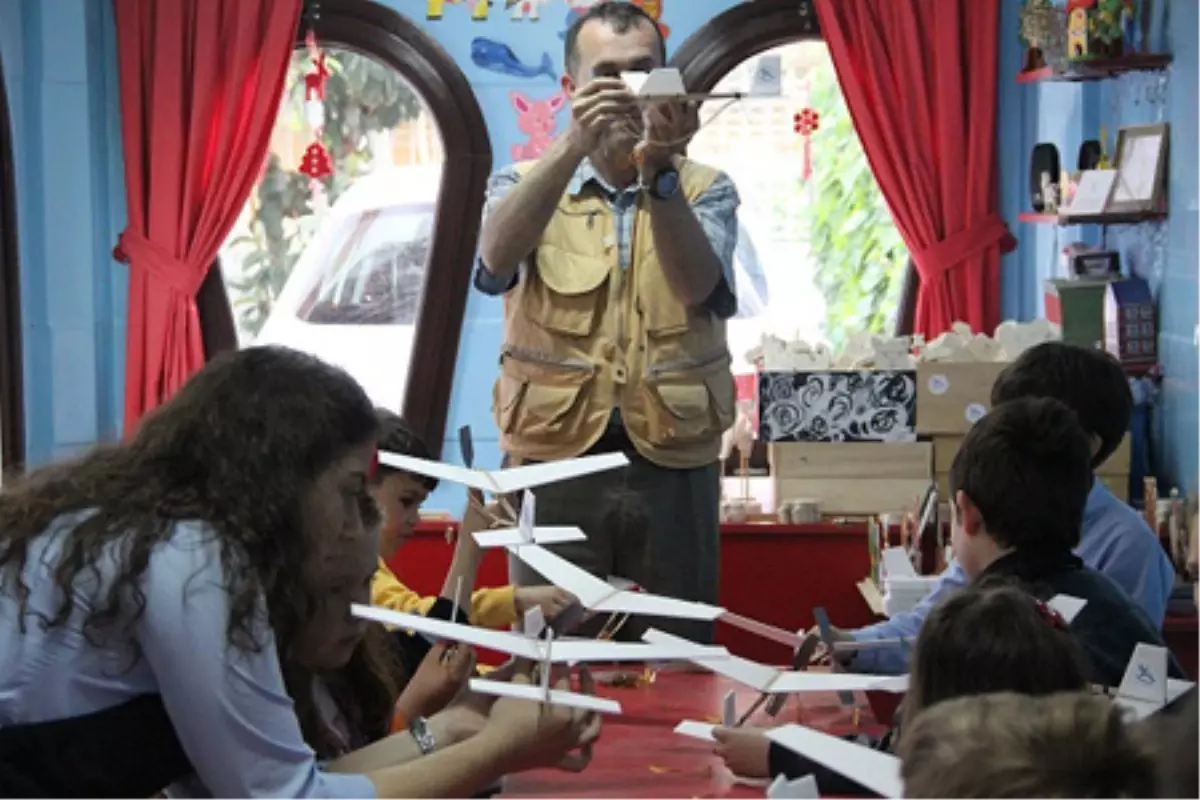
(150, 591)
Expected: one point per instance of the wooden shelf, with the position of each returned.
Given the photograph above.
(1097, 69)
(1127, 218)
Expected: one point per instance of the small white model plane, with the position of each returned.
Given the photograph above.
(545, 651)
(876, 770)
(506, 481)
(600, 596)
(1145, 687)
(526, 532)
(783, 789)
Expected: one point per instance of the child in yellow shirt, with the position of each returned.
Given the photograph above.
(400, 495)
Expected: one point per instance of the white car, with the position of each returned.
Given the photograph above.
(354, 295)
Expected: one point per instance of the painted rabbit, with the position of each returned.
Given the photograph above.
(537, 119)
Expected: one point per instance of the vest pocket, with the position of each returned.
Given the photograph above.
(566, 296)
(539, 403)
(689, 411)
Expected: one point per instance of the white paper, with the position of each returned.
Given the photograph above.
(1146, 676)
(661, 82)
(792, 640)
(729, 710)
(877, 771)
(783, 789)
(518, 478)
(768, 77)
(512, 643)
(582, 650)
(1092, 193)
(562, 573)
(1139, 163)
(476, 479)
(696, 730)
(525, 520)
(896, 563)
(654, 605)
(1068, 607)
(793, 681)
(536, 694)
(534, 622)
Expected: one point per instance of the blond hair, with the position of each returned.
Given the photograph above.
(1011, 745)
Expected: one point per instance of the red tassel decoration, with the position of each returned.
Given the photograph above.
(806, 123)
(316, 163)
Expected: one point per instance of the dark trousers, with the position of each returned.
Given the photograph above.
(657, 527)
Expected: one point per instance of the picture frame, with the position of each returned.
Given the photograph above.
(1140, 159)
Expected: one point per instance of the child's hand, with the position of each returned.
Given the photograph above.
(745, 751)
(442, 674)
(552, 599)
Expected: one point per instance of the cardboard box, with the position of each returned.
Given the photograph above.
(1114, 472)
(860, 497)
(953, 395)
(837, 406)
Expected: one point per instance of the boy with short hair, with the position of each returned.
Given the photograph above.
(1018, 488)
(1115, 540)
(399, 495)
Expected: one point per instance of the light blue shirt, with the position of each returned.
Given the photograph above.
(229, 707)
(1116, 541)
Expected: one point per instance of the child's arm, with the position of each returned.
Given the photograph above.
(465, 565)
(389, 592)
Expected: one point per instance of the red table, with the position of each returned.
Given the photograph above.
(638, 754)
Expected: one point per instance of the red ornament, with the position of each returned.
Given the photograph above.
(316, 163)
(314, 82)
(806, 123)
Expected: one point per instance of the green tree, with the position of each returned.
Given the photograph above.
(362, 97)
(859, 254)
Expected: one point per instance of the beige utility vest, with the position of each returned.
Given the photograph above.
(583, 336)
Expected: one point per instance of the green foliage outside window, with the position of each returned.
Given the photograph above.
(860, 257)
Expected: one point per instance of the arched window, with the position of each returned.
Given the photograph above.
(368, 268)
(12, 396)
(818, 258)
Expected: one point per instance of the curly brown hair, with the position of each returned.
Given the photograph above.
(237, 448)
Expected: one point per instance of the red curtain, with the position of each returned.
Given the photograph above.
(201, 82)
(919, 78)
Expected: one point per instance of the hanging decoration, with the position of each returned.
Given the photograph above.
(316, 163)
(806, 123)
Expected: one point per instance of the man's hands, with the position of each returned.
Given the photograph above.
(596, 108)
(745, 751)
(669, 126)
(824, 655)
(441, 676)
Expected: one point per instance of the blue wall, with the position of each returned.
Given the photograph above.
(1165, 254)
(60, 69)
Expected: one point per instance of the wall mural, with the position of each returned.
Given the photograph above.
(538, 120)
(498, 57)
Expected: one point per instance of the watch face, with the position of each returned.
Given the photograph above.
(666, 183)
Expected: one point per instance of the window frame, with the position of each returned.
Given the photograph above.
(376, 31)
(12, 361)
(743, 32)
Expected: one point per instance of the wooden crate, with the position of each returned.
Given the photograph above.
(1114, 472)
(852, 479)
(953, 395)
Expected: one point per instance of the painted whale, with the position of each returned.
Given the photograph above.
(498, 57)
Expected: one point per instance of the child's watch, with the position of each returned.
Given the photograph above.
(664, 185)
(419, 728)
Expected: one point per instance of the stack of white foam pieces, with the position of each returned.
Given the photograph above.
(903, 588)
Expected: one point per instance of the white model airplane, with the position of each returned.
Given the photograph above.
(1145, 688)
(772, 680)
(526, 532)
(876, 770)
(506, 481)
(545, 651)
(600, 596)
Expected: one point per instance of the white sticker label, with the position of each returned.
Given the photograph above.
(975, 412)
(938, 384)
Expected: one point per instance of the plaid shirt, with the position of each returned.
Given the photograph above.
(715, 209)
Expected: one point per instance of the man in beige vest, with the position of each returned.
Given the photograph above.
(614, 255)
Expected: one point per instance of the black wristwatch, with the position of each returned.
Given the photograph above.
(664, 185)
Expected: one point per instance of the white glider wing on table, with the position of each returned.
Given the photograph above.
(505, 481)
(772, 680)
(877, 771)
(598, 595)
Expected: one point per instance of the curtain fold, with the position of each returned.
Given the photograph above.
(919, 78)
(201, 82)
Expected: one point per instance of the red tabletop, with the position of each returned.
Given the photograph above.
(638, 754)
